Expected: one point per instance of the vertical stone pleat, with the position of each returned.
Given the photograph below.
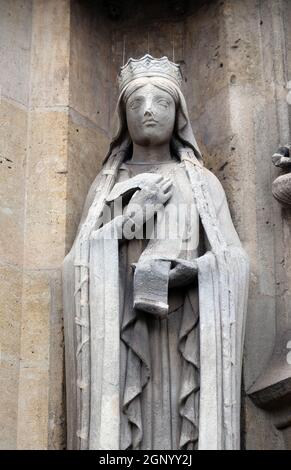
(160, 373)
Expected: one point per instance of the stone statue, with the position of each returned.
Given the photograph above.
(154, 322)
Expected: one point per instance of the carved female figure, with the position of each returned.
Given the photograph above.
(154, 324)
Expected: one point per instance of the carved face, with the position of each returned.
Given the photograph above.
(150, 114)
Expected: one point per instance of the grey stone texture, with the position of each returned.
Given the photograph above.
(59, 61)
(149, 366)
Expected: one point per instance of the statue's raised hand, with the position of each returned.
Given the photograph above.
(156, 189)
(149, 194)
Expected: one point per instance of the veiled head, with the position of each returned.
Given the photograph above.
(151, 110)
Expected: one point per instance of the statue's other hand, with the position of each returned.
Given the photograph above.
(146, 202)
(182, 273)
(148, 181)
(153, 193)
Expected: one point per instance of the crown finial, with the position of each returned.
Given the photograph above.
(149, 66)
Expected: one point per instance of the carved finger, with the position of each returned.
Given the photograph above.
(166, 187)
(158, 178)
(164, 198)
(167, 194)
(167, 181)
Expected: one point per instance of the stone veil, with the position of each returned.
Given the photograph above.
(113, 391)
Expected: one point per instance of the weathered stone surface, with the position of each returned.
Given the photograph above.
(41, 364)
(87, 146)
(32, 424)
(9, 379)
(10, 322)
(235, 56)
(261, 432)
(90, 59)
(10, 319)
(15, 41)
(50, 53)
(13, 131)
(46, 189)
(15, 36)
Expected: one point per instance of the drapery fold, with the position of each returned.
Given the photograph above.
(223, 281)
(223, 275)
(189, 342)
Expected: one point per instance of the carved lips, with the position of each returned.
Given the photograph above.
(150, 122)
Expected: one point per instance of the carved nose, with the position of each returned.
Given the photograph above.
(148, 107)
(148, 112)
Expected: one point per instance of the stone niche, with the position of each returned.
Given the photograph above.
(60, 60)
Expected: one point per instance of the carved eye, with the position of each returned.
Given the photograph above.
(164, 103)
(134, 104)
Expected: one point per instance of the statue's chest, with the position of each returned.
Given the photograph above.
(182, 191)
(179, 219)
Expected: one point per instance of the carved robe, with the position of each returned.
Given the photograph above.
(134, 381)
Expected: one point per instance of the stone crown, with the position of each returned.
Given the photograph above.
(149, 66)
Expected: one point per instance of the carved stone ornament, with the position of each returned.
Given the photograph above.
(155, 285)
(272, 389)
(281, 187)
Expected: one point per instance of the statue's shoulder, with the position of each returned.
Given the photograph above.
(213, 182)
(215, 188)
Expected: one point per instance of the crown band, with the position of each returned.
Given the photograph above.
(148, 66)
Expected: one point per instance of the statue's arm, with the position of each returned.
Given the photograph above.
(222, 211)
(89, 199)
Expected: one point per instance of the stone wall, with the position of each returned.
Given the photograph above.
(58, 91)
(15, 46)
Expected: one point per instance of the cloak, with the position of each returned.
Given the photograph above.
(91, 310)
